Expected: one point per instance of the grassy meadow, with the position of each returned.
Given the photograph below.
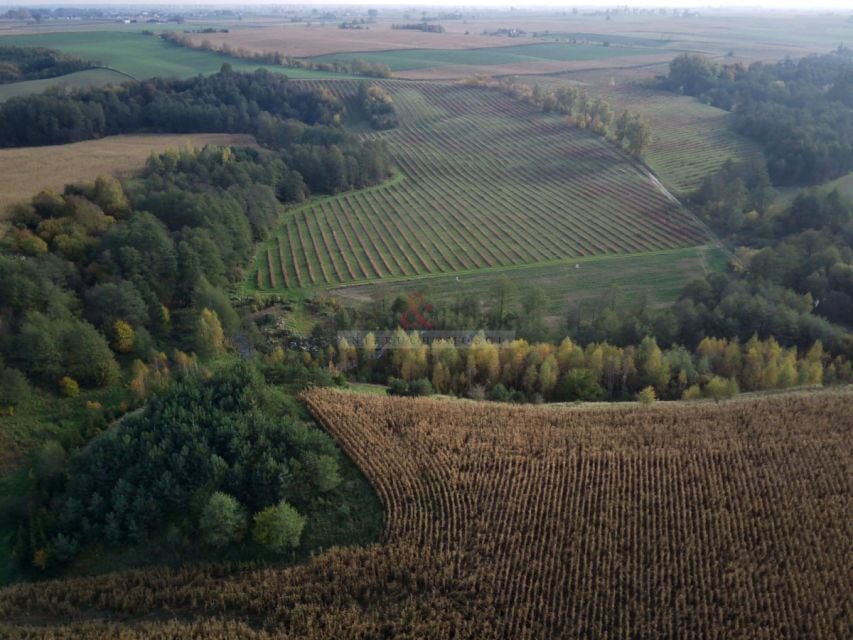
(143, 56)
(656, 277)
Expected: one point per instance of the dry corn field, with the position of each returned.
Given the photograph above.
(677, 521)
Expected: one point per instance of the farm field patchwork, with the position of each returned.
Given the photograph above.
(143, 56)
(484, 181)
(694, 521)
(749, 37)
(25, 171)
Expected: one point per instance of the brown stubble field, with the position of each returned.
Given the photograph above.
(28, 170)
(679, 520)
(302, 41)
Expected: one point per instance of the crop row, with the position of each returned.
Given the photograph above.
(491, 182)
(674, 522)
(693, 521)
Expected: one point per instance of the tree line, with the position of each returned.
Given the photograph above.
(519, 371)
(357, 66)
(630, 130)
(801, 112)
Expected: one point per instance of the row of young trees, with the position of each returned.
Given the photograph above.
(800, 111)
(356, 66)
(629, 130)
(521, 371)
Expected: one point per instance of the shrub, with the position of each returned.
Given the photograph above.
(397, 387)
(69, 388)
(222, 520)
(420, 387)
(721, 388)
(499, 393)
(123, 337)
(647, 395)
(278, 528)
(13, 388)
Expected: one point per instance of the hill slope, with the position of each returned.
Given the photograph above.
(485, 181)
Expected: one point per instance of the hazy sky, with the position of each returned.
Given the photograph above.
(773, 4)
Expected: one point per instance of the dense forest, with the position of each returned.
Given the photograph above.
(33, 63)
(121, 285)
(800, 111)
(114, 285)
(218, 460)
(105, 270)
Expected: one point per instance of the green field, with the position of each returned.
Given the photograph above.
(80, 79)
(408, 59)
(144, 56)
(484, 182)
(659, 276)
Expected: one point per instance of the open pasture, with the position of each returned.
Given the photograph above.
(658, 276)
(693, 521)
(484, 182)
(27, 170)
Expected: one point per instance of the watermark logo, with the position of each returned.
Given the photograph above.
(391, 339)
